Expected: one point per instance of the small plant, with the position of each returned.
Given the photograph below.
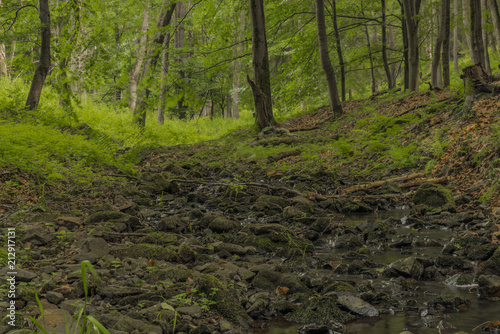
(87, 322)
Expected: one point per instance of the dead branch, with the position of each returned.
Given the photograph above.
(377, 184)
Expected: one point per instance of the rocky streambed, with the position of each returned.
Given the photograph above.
(196, 256)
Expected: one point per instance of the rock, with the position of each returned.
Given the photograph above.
(330, 328)
(279, 201)
(344, 205)
(54, 297)
(37, 236)
(349, 241)
(225, 325)
(231, 248)
(56, 321)
(435, 197)
(71, 223)
(187, 254)
(72, 306)
(409, 267)
(489, 287)
(259, 229)
(446, 304)
(104, 216)
(127, 324)
(193, 311)
(356, 305)
(292, 212)
(146, 251)
(92, 249)
(492, 265)
(21, 274)
(223, 225)
(270, 280)
(319, 310)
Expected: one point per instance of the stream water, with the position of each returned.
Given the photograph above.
(478, 312)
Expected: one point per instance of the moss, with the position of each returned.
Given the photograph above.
(147, 251)
(156, 275)
(187, 254)
(435, 197)
(319, 310)
(227, 304)
(338, 287)
(276, 200)
(159, 238)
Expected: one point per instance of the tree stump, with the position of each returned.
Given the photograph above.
(476, 80)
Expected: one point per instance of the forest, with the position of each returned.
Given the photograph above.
(249, 166)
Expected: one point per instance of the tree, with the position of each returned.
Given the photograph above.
(493, 6)
(43, 68)
(411, 10)
(333, 93)
(476, 30)
(261, 85)
(339, 49)
(390, 83)
(136, 69)
(442, 42)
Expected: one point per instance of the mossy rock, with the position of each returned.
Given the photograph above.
(435, 197)
(159, 238)
(227, 303)
(284, 306)
(187, 254)
(156, 275)
(321, 310)
(492, 265)
(339, 286)
(349, 241)
(270, 280)
(450, 303)
(271, 204)
(223, 225)
(147, 251)
(104, 216)
(344, 205)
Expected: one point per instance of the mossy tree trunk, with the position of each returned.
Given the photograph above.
(333, 93)
(262, 76)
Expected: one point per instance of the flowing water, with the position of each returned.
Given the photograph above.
(415, 320)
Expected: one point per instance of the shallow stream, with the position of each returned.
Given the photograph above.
(413, 319)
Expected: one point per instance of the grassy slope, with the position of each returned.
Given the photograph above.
(395, 134)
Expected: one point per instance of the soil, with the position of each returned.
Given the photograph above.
(186, 246)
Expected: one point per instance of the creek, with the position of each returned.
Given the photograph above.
(414, 316)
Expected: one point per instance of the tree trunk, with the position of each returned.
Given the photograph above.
(455, 38)
(237, 50)
(333, 93)
(3, 61)
(444, 34)
(262, 76)
(476, 30)
(388, 75)
(467, 32)
(338, 45)
(136, 69)
(484, 38)
(165, 58)
(411, 9)
(495, 15)
(44, 66)
(370, 57)
(179, 43)
(164, 19)
(446, 42)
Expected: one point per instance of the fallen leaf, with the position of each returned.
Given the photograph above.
(282, 290)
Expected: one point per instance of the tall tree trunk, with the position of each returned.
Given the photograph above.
(370, 57)
(262, 86)
(338, 45)
(411, 10)
(446, 41)
(388, 75)
(467, 32)
(444, 34)
(395, 69)
(164, 19)
(44, 66)
(136, 69)
(165, 59)
(3, 61)
(484, 35)
(476, 30)
(495, 15)
(333, 93)
(179, 43)
(237, 50)
(455, 37)
(404, 32)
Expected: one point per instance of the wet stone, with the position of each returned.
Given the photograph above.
(37, 236)
(357, 305)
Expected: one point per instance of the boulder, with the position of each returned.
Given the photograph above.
(435, 197)
(489, 287)
(356, 305)
(408, 267)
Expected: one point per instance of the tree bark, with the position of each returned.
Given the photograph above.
(484, 38)
(237, 50)
(43, 68)
(387, 69)
(136, 69)
(411, 10)
(164, 19)
(179, 43)
(340, 55)
(333, 93)
(455, 38)
(404, 32)
(495, 15)
(446, 42)
(262, 76)
(165, 61)
(478, 52)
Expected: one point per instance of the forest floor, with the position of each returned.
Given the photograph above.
(325, 225)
